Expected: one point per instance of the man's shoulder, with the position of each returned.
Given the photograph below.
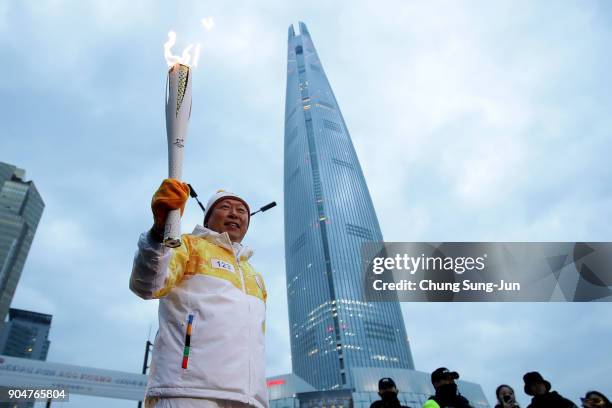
(560, 400)
(247, 265)
(199, 244)
(567, 402)
(377, 404)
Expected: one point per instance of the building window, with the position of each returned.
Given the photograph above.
(379, 331)
(332, 125)
(291, 114)
(291, 137)
(343, 163)
(358, 231)
(298, 243)
(325, 105)
(293, 175)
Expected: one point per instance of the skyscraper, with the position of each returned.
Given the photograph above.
(328, 215)
(20, 210)
(26, 335)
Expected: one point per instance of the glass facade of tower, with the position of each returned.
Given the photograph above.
(20, 210)
(328, 215)
(26, 335)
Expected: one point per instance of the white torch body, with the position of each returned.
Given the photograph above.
(178, 111)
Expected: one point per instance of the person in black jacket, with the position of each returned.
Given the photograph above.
(539, 389)
(446, 396)
(388, 395)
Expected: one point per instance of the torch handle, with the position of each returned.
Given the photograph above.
(172, 231)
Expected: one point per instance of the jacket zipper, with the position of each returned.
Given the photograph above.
(242, 279)
(240, 272)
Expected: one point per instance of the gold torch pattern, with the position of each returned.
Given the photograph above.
(183, 78)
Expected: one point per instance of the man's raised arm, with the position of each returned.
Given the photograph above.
(152, 275)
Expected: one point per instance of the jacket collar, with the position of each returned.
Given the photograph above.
(241, 252)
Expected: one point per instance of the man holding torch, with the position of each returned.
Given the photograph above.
(209, 349)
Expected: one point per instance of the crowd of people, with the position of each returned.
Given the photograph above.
(447, 395)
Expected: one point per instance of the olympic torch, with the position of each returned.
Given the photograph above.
(178, 111)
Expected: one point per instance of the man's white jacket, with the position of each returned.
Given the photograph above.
(212, 307)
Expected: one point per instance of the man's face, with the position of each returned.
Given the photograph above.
(388, 389)
(538, 388)
(593, 401)
(231, 216)
(447, 380)
(506, 394)
(443, 381)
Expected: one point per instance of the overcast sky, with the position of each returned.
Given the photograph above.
(473, 121)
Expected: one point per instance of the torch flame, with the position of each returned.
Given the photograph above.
(185, 57)
(196, 55)
(208, 23)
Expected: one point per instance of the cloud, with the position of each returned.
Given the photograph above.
(64, 239)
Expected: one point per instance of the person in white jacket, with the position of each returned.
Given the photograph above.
(209, 349)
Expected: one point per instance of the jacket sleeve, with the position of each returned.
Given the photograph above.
(430, 403)
(157, 269)
(570, 403)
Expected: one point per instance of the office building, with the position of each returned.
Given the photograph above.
(20, 210)
(328, 215)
